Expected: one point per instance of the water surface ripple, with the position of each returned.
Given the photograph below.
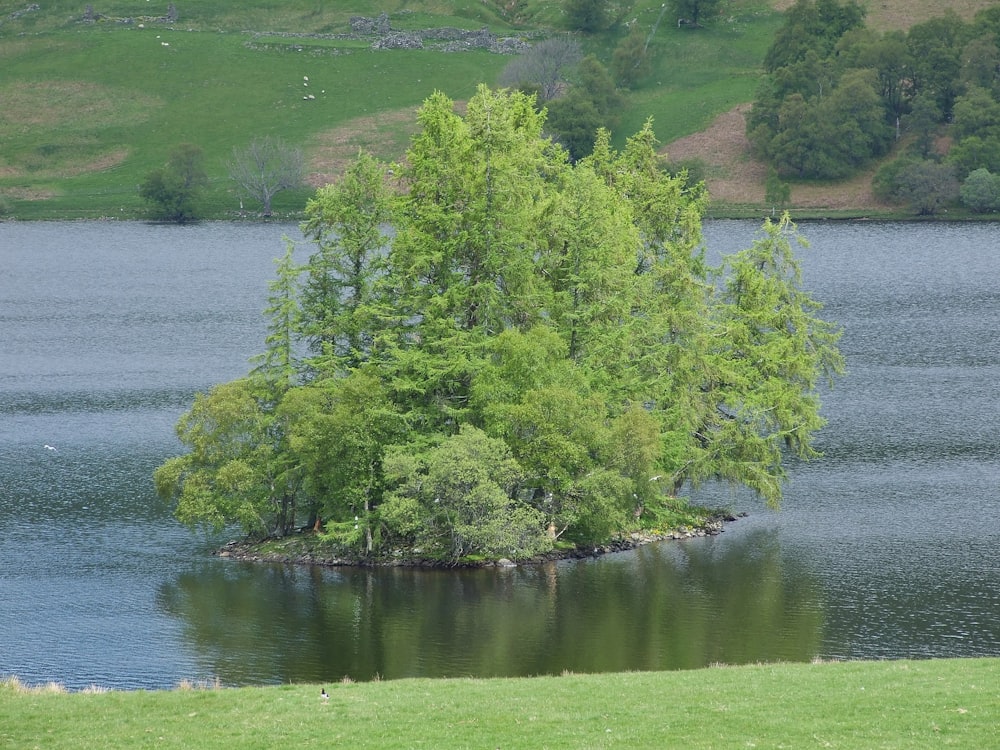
(885, 548)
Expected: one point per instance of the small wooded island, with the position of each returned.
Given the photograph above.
(536, 358)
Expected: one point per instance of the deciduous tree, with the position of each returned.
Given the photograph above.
(547, 67)
(264, 168)
(981, 191)
(630, 60)
(540, 351)
(693, 12)
(174, 189)
(587, 15)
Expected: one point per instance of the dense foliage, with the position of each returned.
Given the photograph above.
(538, 349)
(577, 92)
(173, 190)
(838, 95)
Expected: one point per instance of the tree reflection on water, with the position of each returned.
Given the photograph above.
(675, 605)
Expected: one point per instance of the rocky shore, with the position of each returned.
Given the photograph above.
(306, 548)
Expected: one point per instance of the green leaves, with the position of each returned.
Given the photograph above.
(346, 220)
(508, 350)
(465, 493)
(231, 472)
(776, 349)
(175, 188)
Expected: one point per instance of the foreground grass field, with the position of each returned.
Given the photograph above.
(899, 704)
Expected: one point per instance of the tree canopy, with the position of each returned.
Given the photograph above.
(505, 348)
(838, 95)
(174, 189)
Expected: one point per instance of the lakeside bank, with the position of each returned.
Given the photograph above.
(889, 704)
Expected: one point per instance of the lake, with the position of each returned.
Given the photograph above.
(885, 548)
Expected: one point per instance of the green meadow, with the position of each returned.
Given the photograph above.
(854, 705)
(88, 108)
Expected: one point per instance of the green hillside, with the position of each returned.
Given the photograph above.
(92, 101)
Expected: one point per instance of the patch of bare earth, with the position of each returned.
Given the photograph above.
(385, 135)
(27, 194)
(102, 162)
(733, 176)
(902, 14)
(68, 167)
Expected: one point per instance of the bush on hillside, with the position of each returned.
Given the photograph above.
(981, 192)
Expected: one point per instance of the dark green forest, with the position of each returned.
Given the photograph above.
(838, 96)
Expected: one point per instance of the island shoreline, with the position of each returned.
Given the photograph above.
(305, 548)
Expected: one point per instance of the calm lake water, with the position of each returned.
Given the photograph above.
(885, 548)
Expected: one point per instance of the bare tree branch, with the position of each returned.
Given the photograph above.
(547, 66)
(266, 167)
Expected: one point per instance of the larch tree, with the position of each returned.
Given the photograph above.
(512, 351)
(347, 221)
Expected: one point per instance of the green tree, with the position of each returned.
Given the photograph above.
(927, 186)
(778, 350)
(277, 365)
(462, 266)
(972, 153)
(922, 121)
(587, 16)
(596, 80)
(890, 58)
(174, 189)
(976, 129)
(812, 26)
(776, 191)
(574, 121)
(935, 50)
(981, 62)
(467, 489)
(593, 102)
(630, 61)
(827, 137)
(347, 221)
(540, 351)
(885, 180)
(238, 468)
(235, 470)
(338, 428)
(981, 191)
(694, 11)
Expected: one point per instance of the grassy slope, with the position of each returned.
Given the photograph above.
(924, 704)
(89, 109)
(93, 109)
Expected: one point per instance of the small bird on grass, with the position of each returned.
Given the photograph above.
(323, 695)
